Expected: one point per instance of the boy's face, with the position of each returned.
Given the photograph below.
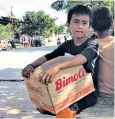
(79, 25)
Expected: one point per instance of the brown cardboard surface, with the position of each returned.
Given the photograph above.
(68, 86)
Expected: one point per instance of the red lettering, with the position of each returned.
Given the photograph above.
(69, 80)
(58, 84)
(75, 77)
(64, 82)
(61, 83)
(36, 89)
(81, 73)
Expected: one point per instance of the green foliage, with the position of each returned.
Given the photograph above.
(38, 22)
(61, 29)
(5, 31)
(59, 5)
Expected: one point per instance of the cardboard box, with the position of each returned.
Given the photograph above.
(68, 86)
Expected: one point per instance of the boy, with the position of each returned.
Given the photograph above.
(84, 49)
(102, 25)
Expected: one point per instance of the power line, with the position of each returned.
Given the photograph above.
(5, 10)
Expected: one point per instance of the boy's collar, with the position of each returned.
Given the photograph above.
(78, 43)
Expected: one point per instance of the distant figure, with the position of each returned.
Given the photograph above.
(65, 38)
(33, 41)
(58, 41)
(12, 44)
(89, 5)
(24, 41)
(21, 40)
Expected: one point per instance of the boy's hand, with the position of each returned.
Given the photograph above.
(27, 70)
(46, 76)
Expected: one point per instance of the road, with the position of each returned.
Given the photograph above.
(12, 62)
(15, 103)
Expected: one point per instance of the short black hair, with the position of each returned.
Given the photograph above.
(80, 10)
(102, 19)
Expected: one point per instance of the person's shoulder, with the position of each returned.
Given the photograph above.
(107, 40)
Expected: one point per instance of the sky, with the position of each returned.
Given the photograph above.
(21, 6)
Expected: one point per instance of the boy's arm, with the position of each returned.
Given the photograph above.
(30, 68)
(88, 54)
(39, 61)
(76, 60)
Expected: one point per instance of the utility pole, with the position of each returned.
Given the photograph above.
(12, 19)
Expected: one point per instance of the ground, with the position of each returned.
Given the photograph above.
(12, 61)
(14, 99)
(15, 103)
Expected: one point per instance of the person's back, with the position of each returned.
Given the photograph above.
(102, 23)
(106, 66)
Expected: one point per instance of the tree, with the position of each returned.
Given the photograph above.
(61, 29)
(59, 5)
(38, 22)
(5, 31)
(18, 28)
